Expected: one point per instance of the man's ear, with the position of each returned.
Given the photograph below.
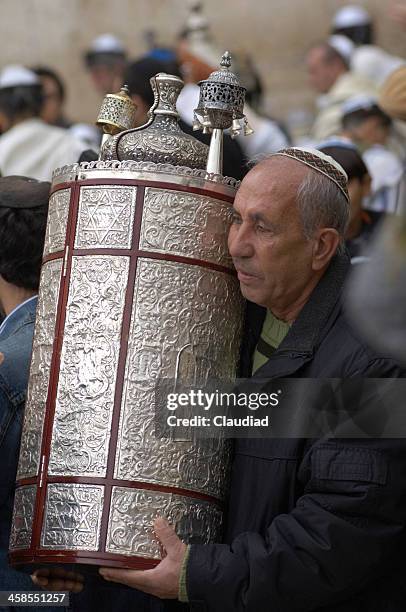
(325, 246)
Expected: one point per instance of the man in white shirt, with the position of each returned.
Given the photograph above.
(367, 59)
(366, 124)
(28, 145)
(330, 76)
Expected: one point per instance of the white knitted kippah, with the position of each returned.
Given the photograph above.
(320, 162)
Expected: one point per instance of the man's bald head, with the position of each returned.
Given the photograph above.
(280, 172)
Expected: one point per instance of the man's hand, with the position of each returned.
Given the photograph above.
(58, 579)
(163, 580)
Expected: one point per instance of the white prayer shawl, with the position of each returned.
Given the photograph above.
(33, 148)
(374, 63)
(387, 173)
(348, 85)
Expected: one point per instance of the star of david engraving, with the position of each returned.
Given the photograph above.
(107, 217)
(72, 515)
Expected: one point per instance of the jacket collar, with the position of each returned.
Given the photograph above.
(313, 318)
(311, 326)
(21, 314)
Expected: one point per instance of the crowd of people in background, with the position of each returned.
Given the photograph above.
(348, 71)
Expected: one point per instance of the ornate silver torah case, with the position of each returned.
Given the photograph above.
(137, 285)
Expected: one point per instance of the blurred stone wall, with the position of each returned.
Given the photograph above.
(275, 32)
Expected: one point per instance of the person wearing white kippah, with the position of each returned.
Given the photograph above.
(370, 128)
(330, 76)
(367, 59)
(106, 61)
(28, 145)
(312, 524)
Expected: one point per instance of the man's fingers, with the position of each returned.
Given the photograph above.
(73, 586)
(74, 576)
(57, 572)
(43, 571)
(166, 534)
(41, 581)
(133, 578)
(58, 579)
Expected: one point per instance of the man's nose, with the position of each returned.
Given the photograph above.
(240, 241)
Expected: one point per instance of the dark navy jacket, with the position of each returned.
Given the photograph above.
(312, 524)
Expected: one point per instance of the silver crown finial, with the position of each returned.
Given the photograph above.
(226, 60)
(221, 106)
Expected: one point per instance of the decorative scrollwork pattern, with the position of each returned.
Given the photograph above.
(226, 96)
(166, 90)
(186, 224)
(185, 324)
(88, 369)
(162, 142)
(117, 111)
(58, 211)
(133, 511)
(34, 415)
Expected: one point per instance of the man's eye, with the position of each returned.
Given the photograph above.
(261, 228)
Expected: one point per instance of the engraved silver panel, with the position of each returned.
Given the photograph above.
(57, 221)
(23, 515)
(34, 415)
(134, 510)
(185, 324)
(147, 171)
(89, 358)
(186, 224)
(106, 215)
(72, 517)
